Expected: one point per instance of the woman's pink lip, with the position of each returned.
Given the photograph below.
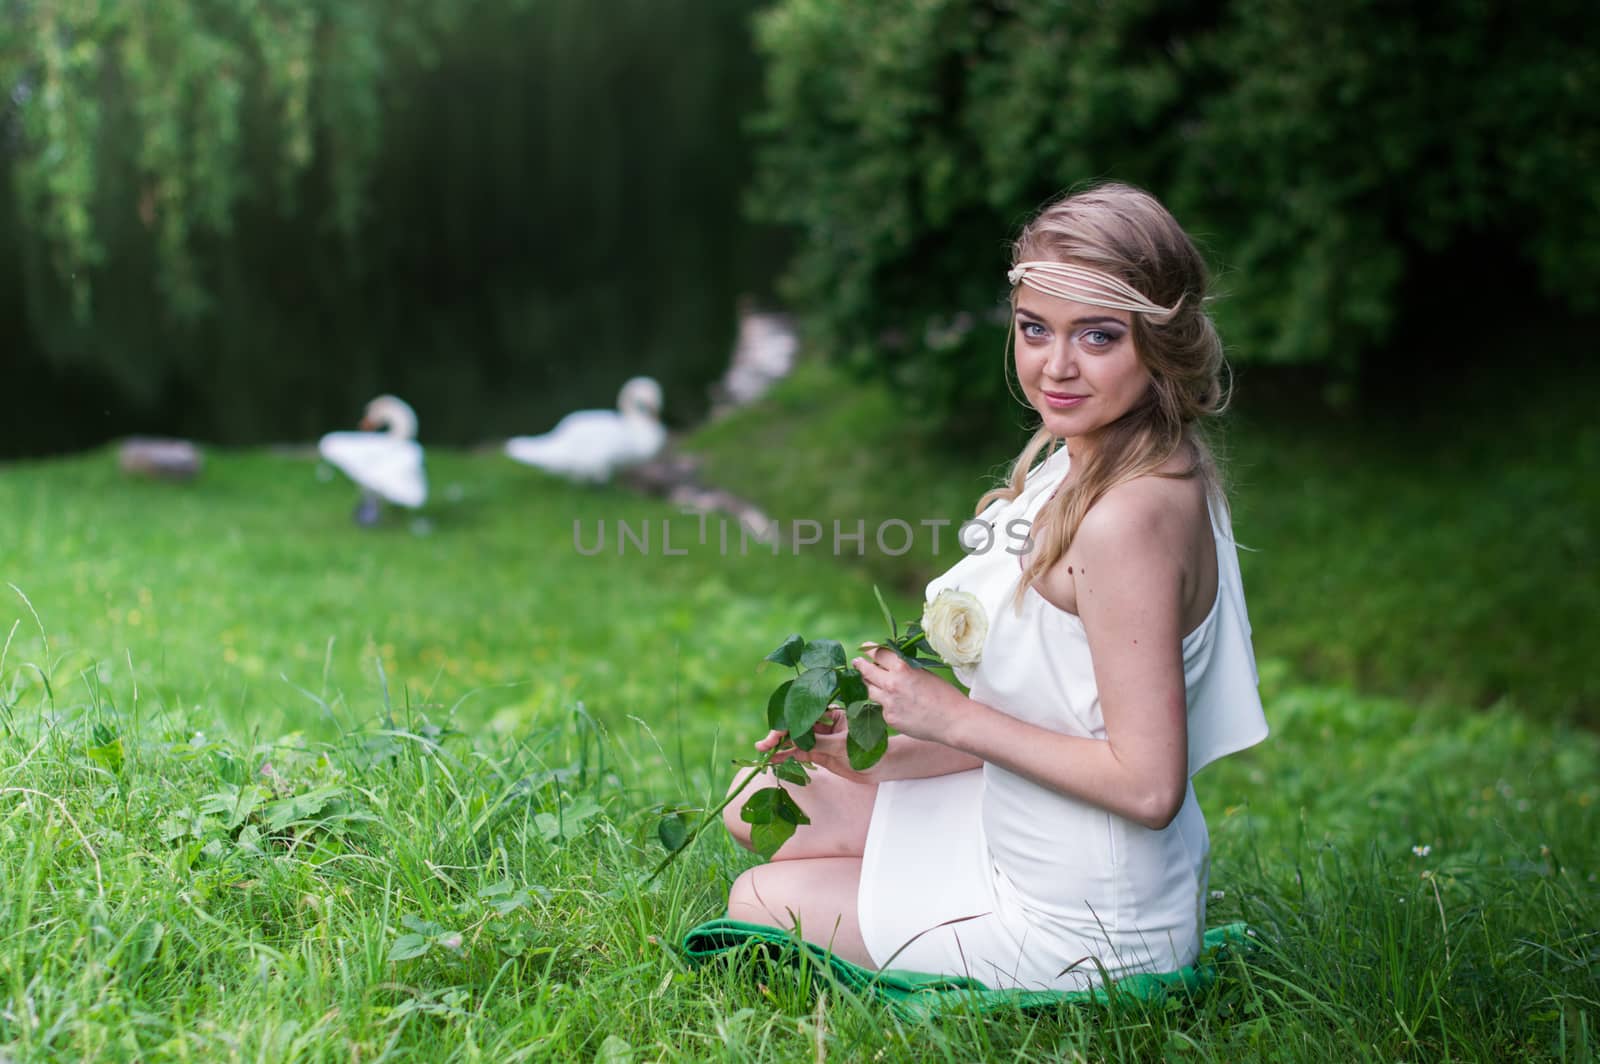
(1062, 400)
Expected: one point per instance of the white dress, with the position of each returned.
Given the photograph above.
(986, 874)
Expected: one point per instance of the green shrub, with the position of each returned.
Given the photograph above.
(1318, 152)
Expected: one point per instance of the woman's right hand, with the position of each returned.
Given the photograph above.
(828, 753)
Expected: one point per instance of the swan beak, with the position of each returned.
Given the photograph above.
(367, 424)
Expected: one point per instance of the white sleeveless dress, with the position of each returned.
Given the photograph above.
(986, 874)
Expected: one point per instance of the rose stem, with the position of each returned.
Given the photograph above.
(760, 766)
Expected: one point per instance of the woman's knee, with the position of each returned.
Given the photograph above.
(765, 895)
(745, 901)
(736, 827)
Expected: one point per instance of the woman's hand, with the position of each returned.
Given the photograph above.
(914, 701)
(829, 751)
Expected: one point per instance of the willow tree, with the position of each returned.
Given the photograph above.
(138, 131)
(177, 111)
(244, 216)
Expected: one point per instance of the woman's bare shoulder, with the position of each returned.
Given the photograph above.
(1148, 511)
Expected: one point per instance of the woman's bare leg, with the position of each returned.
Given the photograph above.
(810, 885)
(840, 811)
(815, 896)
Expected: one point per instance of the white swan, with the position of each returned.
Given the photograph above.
(385, 465)
(591, 445)
(763, 354)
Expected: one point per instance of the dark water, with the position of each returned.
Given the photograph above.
(557, 207)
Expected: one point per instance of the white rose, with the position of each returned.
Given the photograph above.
(956, 627)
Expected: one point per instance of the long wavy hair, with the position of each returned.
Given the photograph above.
(1127, 233)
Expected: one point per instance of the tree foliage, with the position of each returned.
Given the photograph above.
(174, 113)
(1317, 151)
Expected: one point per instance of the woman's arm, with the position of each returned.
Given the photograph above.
(909, 758)
(1128, 559)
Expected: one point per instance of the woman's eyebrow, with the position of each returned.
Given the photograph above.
(1098, 320)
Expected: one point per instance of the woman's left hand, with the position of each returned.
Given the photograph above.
(914, 701)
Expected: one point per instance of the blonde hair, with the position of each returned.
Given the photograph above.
(1125, 232)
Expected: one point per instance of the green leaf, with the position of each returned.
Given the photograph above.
(107, 755)
(863, 757)
(508, 905)
(421, 926)
(823, 654)
(775, 705)
(766, 839)
(282, 812)
(408, 946)
(495, 890)
(249, 840)
(784, 807)
(570, 820)
(758, 808)
(233, 804)
(177, 825)
(888, 618)
(614, 1050)
(772, 815)
(805, 740)
(673, 831)
(852, 688)
(791, 772)
(808, 699)
(868, 739)
(789, 653)
(909, 657)
(505, 897)
(581, 809)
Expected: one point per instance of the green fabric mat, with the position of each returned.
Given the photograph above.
(915, 995)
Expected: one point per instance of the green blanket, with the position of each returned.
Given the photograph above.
(915, 995)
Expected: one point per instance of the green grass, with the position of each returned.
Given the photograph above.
(272, 788)
(249, 589)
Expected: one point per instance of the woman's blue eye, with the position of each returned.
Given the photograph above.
(1098, 338)
(1033, 330)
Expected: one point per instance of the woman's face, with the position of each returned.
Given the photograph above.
(1076, 362)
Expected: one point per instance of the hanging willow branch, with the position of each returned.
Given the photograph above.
(176, 112)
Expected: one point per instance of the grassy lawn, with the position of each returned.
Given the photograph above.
(273, 788)
(252, 593)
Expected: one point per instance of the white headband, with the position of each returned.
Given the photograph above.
(1065, 280)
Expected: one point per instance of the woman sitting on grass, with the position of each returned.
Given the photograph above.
(1041, 831)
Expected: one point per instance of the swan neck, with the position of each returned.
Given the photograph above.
(402, 423)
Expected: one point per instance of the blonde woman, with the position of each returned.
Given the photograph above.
(1041, 831)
